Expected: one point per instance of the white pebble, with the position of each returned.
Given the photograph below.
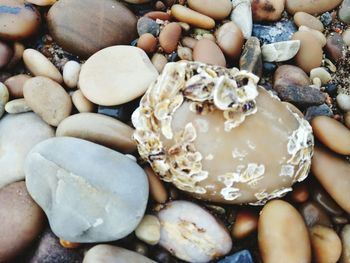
(343, 101)
(322, 74)
(71, 72)
(148, 230)
(17, 106)
(4, 98)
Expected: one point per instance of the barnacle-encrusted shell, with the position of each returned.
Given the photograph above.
(214, 133)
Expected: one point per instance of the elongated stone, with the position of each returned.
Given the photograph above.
(241, 15)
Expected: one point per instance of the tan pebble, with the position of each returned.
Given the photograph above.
(17, 106)
(184, 26)
(169, 37)
(300, 193)
(6, 54)
(310, 52)
(305, 19)
(68, 244)
(216, 9)
(326, 244)
(42, 2)
(319, 35)
(246, 223)
(282, 234)
(81, 102)
(189, 42)
(290, 75)
(345, 238)
(313, 7)
(48, 99)
(230, 40)
(346, 37)
(148, 230)
(147, 42)
(156, 186)
(18, 49)
(15, 85)
(208, 52)
(71, 72)
(322, 74)
(158, 15)
(4, 98)
(209, 36)
(159, 61)
(191, 17)
(347, 119)
(333, 173)
(267, 10)
(100, 129)
(39, 65)
(184, 53)
(332, 133)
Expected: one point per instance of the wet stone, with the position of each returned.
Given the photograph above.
(243, 256)
(147, 25)
(274, 32)
(314, 111)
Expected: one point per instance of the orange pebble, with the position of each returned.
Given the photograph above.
(67, 244)
(245, 224)
(147, 42)
(300, 193)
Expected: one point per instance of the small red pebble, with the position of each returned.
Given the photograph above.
(67, 244)
(338, 30)
(300, 193)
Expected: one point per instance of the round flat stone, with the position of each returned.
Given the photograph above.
(116, 75)
(83, 27)
(88, 192)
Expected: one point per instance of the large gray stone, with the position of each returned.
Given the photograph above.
(88, 192)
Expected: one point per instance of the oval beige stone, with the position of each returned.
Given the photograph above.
(282, 234)
(191, 17)
(319, 35)
(313, 7)
(230, 39)
(100, 129)
(207, 51)
(48, 99)
(305, 19)
(17, 106)
(216, 9)
(116, 75)
(40, 65)
(333, 173)
(332, 133)
(81, 102)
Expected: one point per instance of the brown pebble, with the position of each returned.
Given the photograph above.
(156, 187)
(217, 9)
(230, 40)
(300, 193)
(6, 54)
(332, 133)
(158, 15)
(246, 223)
(160, 6)
(208, 52)
(169, 37)
(18, 49)
(267, 10)
(305, 19)
(15, 85)
(335, 47)
(147, 42)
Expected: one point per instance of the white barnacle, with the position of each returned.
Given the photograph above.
(287, 170)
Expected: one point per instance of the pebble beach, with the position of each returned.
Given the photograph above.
(173, 131)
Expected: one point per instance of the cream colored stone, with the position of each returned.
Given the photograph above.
(305, 19)
(345, 238)
(4, 98)
(148, 230)
(17, 106)
(320, 37)
(71, 72)
(241, 15)
(116, 75)
(40, 65)
(191, 17)
(216, 9)
(81, 102)
(322, 74)
(280, 51)
(159, 61)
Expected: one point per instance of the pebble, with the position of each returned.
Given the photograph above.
(148, 230)
(71, 72)
(246, 223)
(309, 6)
(18, 49)
(305, 19)
(310, 54)
(280, 51)
(102, 201)
(81, 103)
(22, 220)
(137, 2)
(332, 133)
(17, 106)
(6, 54)
(241, 15)
(147, 25)
(346, 37)
(314, 111)
(99, 129)
(343, 101)
(109, 254)
(243, 256)
(335, 47)
(48, 99)
(50, 250)
(319, 35)
(147, 42)
(322, 74)
(282, 234)
(116, 83)
(207, 51)
(184, 53)
(159, 61)
(15, 85)
(267, 10)
(347, 119)
(216, 9)
(18, 20)
(274, 32)
(39, 65)
(344, 12)
(26, 128)
(328, 204)
(324, 164)
(158, 15)
(345, 238)
(251, 58)
(326, 244)
(169, 37)
(90, 25)
(301, 96)
(4, 98)
(314, 214)
(156, 187)
(230, 39)
(42, 2)
(181, 230)
(184, 14)
(300, 193)
(67, 244)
